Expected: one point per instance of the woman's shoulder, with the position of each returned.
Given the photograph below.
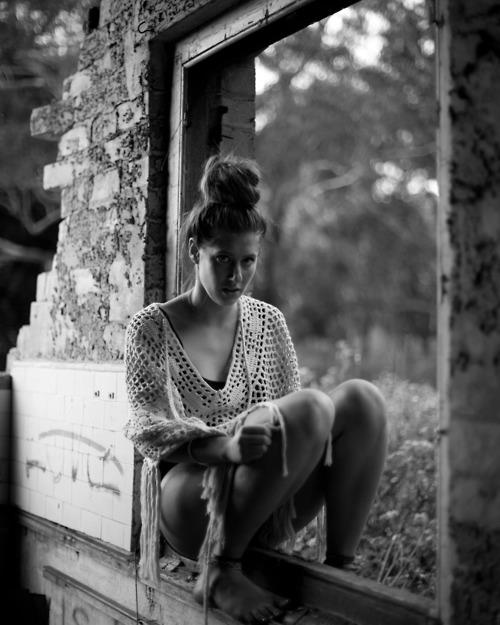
(175, 309)
(264, 310)
(149, 317)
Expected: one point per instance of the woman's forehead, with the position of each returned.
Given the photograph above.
(235, 241)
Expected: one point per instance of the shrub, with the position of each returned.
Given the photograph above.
(398, 546)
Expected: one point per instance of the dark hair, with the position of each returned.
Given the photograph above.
(229, 194)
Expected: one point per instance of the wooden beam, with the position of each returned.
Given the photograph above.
(340, 593)
(332, 597)
(100, 602)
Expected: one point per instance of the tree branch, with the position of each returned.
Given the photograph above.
(337, 182)
(24, 254)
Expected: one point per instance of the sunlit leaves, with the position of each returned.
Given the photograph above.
(355, 91)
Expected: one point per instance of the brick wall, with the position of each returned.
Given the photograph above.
(112, 126)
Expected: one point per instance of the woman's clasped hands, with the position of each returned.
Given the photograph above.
(250, 443)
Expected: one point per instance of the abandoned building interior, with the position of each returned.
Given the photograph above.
(160, 86)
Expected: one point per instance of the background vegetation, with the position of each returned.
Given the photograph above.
(346, 139)
(39, 45)
(346, 120)
(398, 547)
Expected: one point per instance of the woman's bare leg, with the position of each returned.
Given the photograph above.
(359, 450)
(259, 488)
(349, 485)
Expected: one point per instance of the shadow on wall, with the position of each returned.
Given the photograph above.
(24, 607)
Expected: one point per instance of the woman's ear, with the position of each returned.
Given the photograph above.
(193, 251)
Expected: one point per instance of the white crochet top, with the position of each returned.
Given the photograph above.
(171, 403)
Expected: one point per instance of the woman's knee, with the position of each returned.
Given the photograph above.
(311, 412)
(360, 404)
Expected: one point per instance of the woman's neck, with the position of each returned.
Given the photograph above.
(204, 308)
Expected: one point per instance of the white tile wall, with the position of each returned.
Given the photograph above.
(91, 524)
(72, 464)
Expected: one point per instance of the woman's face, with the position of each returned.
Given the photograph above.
(226, 264)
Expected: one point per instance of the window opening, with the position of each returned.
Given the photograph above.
(345, 137)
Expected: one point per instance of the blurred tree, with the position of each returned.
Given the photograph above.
(346, 142)
(39, 39)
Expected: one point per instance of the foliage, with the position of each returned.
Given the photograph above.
(346, 143)
(398, 547)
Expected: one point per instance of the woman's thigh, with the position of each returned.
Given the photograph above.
(359, 412)
(183, 519)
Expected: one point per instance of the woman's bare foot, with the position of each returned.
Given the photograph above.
(232, 592)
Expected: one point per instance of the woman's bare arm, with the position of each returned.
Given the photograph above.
(248, 444)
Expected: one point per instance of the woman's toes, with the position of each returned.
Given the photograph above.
(281, 603)
(261, 616)
(275, 612)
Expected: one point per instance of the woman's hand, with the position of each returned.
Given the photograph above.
(248, 444)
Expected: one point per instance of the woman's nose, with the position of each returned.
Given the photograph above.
(236, 272)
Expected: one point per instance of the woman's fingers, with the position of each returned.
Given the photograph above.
(252, 450)
(255, 439)
(257, 429)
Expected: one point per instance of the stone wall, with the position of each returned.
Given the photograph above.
(470, 177)
(112, 126)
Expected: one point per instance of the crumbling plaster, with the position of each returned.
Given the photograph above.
(470, 101)
(112, 126)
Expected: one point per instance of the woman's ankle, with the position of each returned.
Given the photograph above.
(225, 562)
(338, 560)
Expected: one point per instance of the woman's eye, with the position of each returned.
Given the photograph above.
(221, 259)
(248, 261)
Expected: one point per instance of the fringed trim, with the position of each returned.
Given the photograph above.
(217, 481)
(328, 450)
(149, 567)
(321, 535)
(321, 518)
(278, 529)
(278, 419)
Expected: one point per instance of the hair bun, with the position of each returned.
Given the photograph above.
(230, 180)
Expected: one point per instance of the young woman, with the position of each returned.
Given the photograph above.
(213, 383)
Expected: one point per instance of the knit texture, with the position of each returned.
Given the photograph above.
(171, 403)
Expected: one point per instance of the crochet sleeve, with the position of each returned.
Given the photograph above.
(286, 357)
(157, 423)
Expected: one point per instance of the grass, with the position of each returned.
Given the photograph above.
(398, 547)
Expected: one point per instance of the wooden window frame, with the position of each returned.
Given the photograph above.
(247, 28)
